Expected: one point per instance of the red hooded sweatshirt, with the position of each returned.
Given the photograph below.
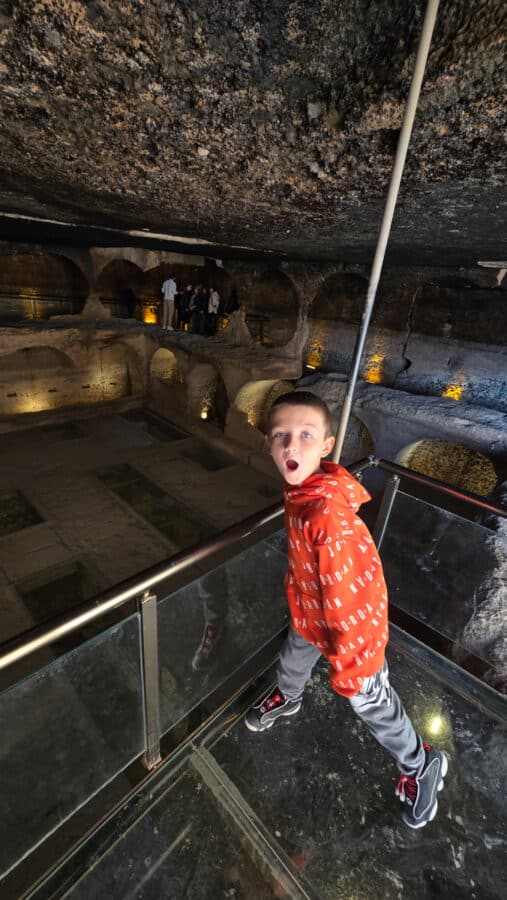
(335, 585)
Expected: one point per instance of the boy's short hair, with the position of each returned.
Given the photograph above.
(305, 398)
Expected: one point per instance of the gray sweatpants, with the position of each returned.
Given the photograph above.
(377, 704)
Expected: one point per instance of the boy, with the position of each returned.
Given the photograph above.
(338, 601)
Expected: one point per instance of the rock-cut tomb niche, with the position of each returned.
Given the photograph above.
(206, 394)
(166, 367)
(35, 379)
(452, 463)
(339, 299)
(255, 399)
(39, 285)
(114, 284)
(274, 296)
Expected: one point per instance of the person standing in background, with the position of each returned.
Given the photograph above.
(213, 307)
(169, 289)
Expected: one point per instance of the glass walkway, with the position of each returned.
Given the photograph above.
(306, 809)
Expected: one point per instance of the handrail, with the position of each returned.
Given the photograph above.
(40, 636)
(441, 486)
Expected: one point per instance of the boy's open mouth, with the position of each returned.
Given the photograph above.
(292, 465)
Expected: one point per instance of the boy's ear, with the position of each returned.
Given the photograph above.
(327, 446)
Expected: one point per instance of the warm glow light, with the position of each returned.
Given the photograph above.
(454, 391)
(374, 369)
(204, 414)
(150, 315)
(315, 355)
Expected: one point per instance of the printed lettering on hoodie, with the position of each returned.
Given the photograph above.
(345, 606)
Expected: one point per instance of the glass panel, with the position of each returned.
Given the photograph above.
(322, 785)
(180, 848)
(447, 572)
(244, 600)
(66, 731)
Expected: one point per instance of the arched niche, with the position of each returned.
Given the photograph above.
(255, 399)
(452, 463)
(34, 379)
(39, 285)
(31, 360)
(165, 367)
(118, 286)
(206, 394)
(121, 371)
(358, 442)
(209, 275)
(272, 295)
(454, 308)
(341, 297)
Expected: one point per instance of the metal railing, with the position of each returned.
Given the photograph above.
(140, 587)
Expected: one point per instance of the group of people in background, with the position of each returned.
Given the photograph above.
(194, 308)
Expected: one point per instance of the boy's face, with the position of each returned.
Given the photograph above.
(297, 440)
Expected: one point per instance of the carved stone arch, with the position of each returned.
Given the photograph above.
(340, 297)
(255, 398)
(35, 379)
(206, 394)
(29, 360)
(36, 284)
(117, 274)
(452, 463)
(272, 306)
(166, 367)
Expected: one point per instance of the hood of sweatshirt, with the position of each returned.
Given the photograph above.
(333, 482)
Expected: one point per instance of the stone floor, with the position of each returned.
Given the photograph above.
(86, 504)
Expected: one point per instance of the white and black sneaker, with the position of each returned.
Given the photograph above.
(419, 794)
(265, 714)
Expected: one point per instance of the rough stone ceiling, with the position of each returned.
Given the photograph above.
(270, 125)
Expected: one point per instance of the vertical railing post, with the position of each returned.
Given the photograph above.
(385, 509)
(147, 605)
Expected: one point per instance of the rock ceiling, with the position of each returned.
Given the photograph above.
(269, 125)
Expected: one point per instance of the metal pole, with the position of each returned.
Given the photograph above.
(149, 652)
(385, 510)
(392, 195)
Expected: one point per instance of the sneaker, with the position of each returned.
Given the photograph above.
(419, 793)
(212, 636)
(265, 714)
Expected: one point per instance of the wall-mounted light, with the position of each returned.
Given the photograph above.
(454, 391)
(374, 369)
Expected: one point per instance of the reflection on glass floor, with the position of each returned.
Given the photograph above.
(308, 808)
